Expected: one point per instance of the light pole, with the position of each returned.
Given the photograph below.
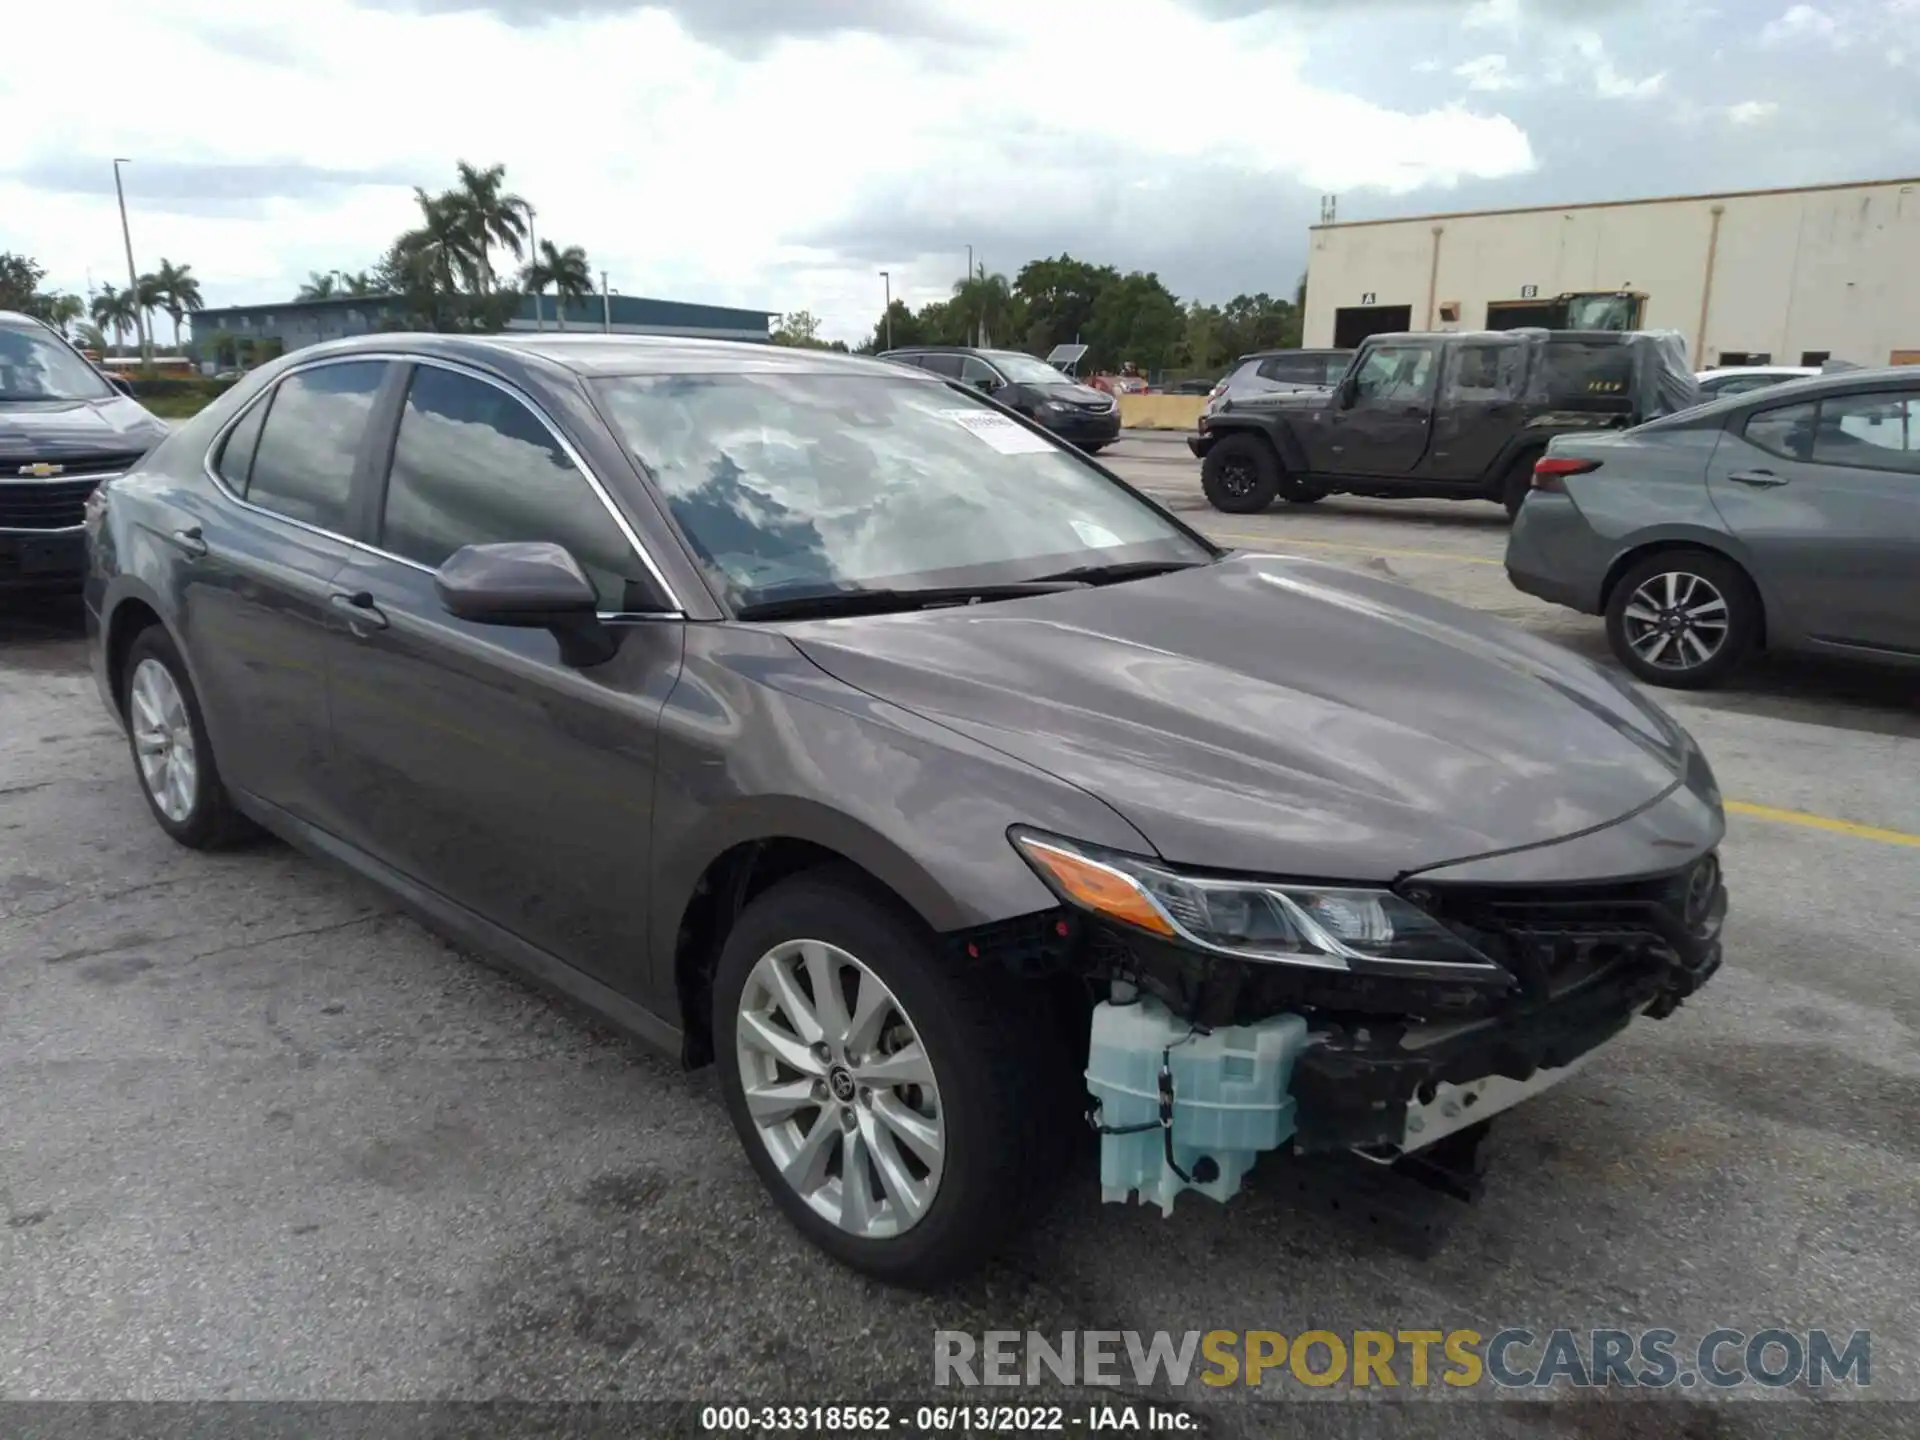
(533, 259)
(133, 275)
(606, 306)
(887, 314)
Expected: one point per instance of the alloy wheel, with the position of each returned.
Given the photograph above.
(1676, 620)
(840, 1088)
(163, 740)
(1239, 477)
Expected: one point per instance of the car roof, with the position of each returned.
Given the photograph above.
(1297, 350)
(592, 355)
(17, 317)
(938, 350)
(1719, 370)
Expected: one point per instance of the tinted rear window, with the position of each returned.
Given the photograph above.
(303, 467)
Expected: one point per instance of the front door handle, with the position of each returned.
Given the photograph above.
(1758, 479)
(363, 616)
(191, 541)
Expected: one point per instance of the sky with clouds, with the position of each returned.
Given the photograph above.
(781, 153)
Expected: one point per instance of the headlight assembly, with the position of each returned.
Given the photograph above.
(1322, 927)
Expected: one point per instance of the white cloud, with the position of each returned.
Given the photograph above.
(1751, 112)
(1803, 22)
(1493, 15)
(1608, 82)
(688, 171)
(1488, 72)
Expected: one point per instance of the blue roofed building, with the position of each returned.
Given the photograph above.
(241, 335)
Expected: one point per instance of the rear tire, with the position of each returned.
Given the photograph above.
(966, 1141)
(1241, 475)
(1684, 619)
(172, 756)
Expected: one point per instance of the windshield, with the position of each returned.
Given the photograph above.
(35, 365)
(790, 485)
(1025, 370)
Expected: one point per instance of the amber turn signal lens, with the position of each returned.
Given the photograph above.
(1097, 887)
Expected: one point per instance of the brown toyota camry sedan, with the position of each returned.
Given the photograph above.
(831, 723)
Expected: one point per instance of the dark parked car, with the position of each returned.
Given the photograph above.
(64, 427)
(1788, 518)
(1078, 414)
(823, 720)
(1448, 417)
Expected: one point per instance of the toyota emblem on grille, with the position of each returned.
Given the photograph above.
(41, 470)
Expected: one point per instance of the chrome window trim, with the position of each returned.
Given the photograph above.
(678, 612)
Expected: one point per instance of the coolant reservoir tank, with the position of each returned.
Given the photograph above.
(1230, 1099)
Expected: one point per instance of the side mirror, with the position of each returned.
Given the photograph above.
(119, 382)
(533, 585)
(987, 383)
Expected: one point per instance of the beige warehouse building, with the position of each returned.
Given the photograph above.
(1786, 277)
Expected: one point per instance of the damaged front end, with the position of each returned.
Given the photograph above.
(1245, 1015)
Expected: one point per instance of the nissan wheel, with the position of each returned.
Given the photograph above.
(1683, 618)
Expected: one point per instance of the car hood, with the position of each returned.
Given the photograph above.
(48, 429)
(1073, 394)
(1279, 716)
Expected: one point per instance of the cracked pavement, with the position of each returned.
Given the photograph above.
(263, 1137)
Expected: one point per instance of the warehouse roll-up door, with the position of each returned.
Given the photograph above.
(1357, 322)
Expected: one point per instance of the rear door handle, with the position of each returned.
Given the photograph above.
(363, 616)
(1758, 479)
(191, 541)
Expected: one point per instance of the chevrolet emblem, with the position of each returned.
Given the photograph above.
(41, 470)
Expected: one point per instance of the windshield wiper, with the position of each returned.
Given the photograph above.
(1123, 570)
(828, 603)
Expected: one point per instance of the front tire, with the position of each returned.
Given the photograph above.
(1241, 475)
(172, 756)
(1683, 619)
(887, 1091)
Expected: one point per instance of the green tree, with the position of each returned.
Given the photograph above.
(115, 310)
(987, 307)
(800, 330)
(149, 296)
(61, 310)
(179, 293)
(359, 283)
(320, 285)
(20, 279)
(1136, 318)
(494, 217)
(567, 271)
(1059, 294)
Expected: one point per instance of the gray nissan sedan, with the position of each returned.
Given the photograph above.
(1786, 519)
(829, 722)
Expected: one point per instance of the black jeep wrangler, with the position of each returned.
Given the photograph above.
(1438, 416)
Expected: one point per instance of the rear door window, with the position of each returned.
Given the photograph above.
(1295, 369)
(310, 444)
(1396, 374)
(1786, 431)
(1485, 372)
(1875, 432)
(236, 455)
(947, 365)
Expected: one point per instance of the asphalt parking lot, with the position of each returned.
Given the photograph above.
(262, 1137)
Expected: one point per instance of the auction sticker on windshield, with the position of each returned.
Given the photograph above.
(1000, 431)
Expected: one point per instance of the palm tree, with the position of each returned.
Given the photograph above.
(495, 218)
(565, 270)
(179, 293)
(62, 310)
(444, 247)
(90, 338)
(359, 283)
(987, 302)
(150, 296)
(319, 286)
(114, 310)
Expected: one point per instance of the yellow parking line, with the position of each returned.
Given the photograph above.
(1822, 822)
(1281, 542)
